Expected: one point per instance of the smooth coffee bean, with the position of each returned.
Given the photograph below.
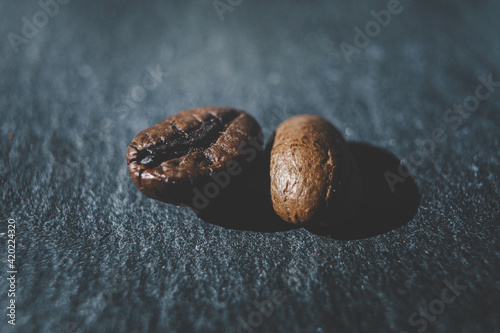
(314, 179)
(195, 155)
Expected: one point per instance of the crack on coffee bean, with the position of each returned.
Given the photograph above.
(178, 130)
(140, 177)
(183, 143)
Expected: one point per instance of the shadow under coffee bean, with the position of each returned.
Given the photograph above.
(381, 209)
(247, 207)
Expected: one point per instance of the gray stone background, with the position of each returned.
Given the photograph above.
(94, 255)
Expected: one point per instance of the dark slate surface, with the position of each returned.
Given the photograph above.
(94, 255)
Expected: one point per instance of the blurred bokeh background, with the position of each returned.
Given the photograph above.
(81, 79)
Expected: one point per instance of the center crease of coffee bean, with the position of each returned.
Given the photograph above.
(185, 143)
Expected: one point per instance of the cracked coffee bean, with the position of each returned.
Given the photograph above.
(195, 156)
(314, 179)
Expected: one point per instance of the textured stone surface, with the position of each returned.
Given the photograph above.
(95, 254)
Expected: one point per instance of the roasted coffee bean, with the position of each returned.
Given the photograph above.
(313, 176)
(195, 155)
